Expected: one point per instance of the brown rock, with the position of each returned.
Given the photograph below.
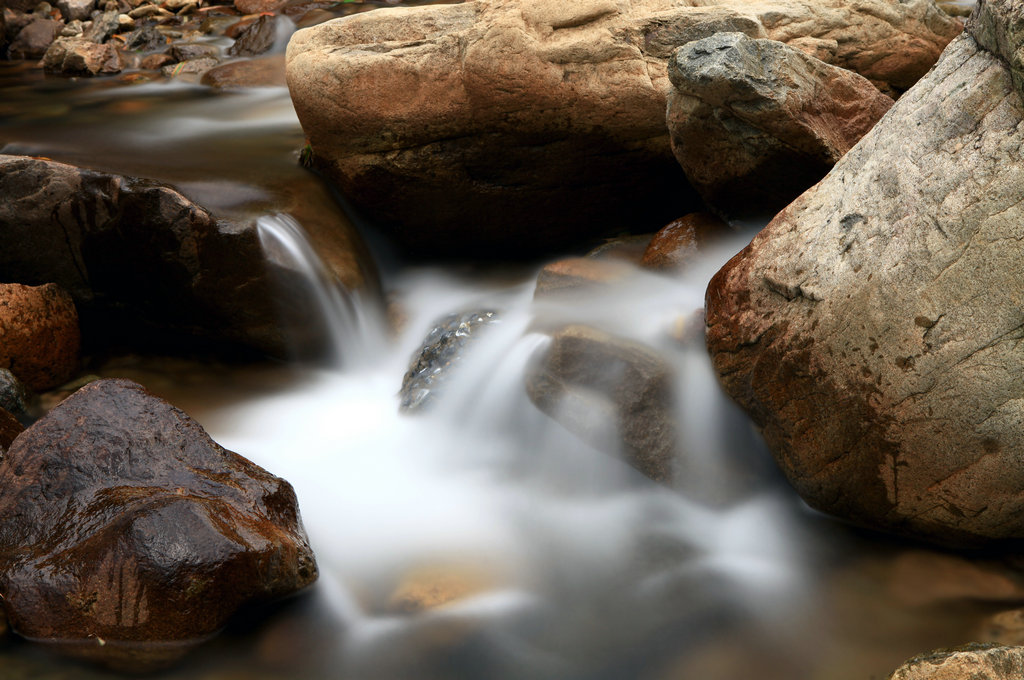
(580, 275)
(918, 579)
(681, 240)
(486, 127)
(259, 6)
(154, 62)
(1005, 628)
(756, 122)
(189, 69)
(80, 57)
(189, 51)
(256, 38)
(626, 248)
(9, 429)
(261, 72)
(39, 336)
(871, 329)
(33, 40)
(131, 536)
(432, 587)
(973, 662)
(614, 393)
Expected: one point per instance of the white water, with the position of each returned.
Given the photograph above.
(571, 541)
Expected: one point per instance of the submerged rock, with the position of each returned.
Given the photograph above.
(39, 335)
(259, 72)
(872, 329)
(974, 661)
(440, 353)
(494, 127)
(613, 393)
(14, 397)
(678, 243)
(130, 536)
(756, 122)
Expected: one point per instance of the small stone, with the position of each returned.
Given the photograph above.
(426, 588)
(155, 62)
(76, 9)
(103, 26)
(679, 242)
(580, 275)
(190, 51)
(257, 38)
(14, 397)
(80, 57)
(145, 39)
(125, 22)
(74, 28)
(192, 67)
(260, 72)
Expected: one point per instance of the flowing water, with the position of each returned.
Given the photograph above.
(561, 561)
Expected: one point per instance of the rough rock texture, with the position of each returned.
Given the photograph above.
(591, 382)
(33, 40)
(439, 355)
(39, 335)
(756, 122)
(257, 38)
(80, 57)
(872, 328)
(502, 127)
(679, 242)
(9, 429)
(126, 525)
(143, 263)
(972, 662)
(14, 398)
(76, 9)
(260, 72)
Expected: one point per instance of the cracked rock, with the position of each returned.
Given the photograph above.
(873, 328)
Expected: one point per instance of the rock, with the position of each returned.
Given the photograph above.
(145, 39)
(256, 38)
(192, 67)
(39, 336)
(10, 428)
(974, 661)
(756, 122)
(261, 72)
(440, 353)
(432, 587)
(1005, 628)
(80, 57)
(103, 26)
(457, 126)
(76, 9)
(580, 276)
(625, 248)
(73, 29)
(14, 22)
(871, 329)
(153, 62)
(611, 392)
(32, 41)
(679, 242)
(50, 400)
(259, 6)
(14, 397)
(921, 579)
(132, 536)
(190, 51)
(146, 266)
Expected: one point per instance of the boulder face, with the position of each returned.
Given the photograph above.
(502, 127)
(872, 328)
(756, 122)
(39, 335)
(131, 536)
(144, 264)
(974, 661)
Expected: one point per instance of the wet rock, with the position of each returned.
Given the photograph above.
(580, 276)
(73, 29)
(614, 393)
(132, 536)
(871, 329)
(261, 72)
(1004, 628)
(457, 126)
(103, 26)
(50, 400)
(257, 38)
(39, 336)
(146, 266)
(431, 587)
(756, 122)
(921, 579)
(259, 6)
(14, 22)
(192, 67)
(679, 242)
(10, 428)
(156, 61)
(190, 51)
(76, 9)
(145, 39)
(974, 661)
(80, 57)
(32, 41)
(439, 355)
(626, 248)
(14, 397)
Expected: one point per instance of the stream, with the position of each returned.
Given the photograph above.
(566, 562)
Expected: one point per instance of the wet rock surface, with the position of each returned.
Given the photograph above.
(78, 56)
(439, 356)
(976, 661)
(39, 334)
(132, 536)
(9, 429)
(614, 393)
(678, 243)
(871, 329)
(256, 38)
(260, 72)
(457, 126)
(756, 122)
(14, 397)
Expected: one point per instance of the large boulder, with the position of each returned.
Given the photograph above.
(872, 328)
(503, 127)
(39, 335)
(974, 661)
(143, 263)
(756, 122)
(129, 536)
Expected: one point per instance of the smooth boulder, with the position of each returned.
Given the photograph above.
(872, 329)
(39, 334)
(756, 122)
(130, 536)
(498, 127)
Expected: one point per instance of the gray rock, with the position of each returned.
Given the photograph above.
(76, 9)
(974, 661)
(257, 38)
(192, 67)
(756, 122)
(33, 40)
(190, 51)
(80, 57)
(439, 356)
(873, 329)
(103, 26)
(14, 397)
